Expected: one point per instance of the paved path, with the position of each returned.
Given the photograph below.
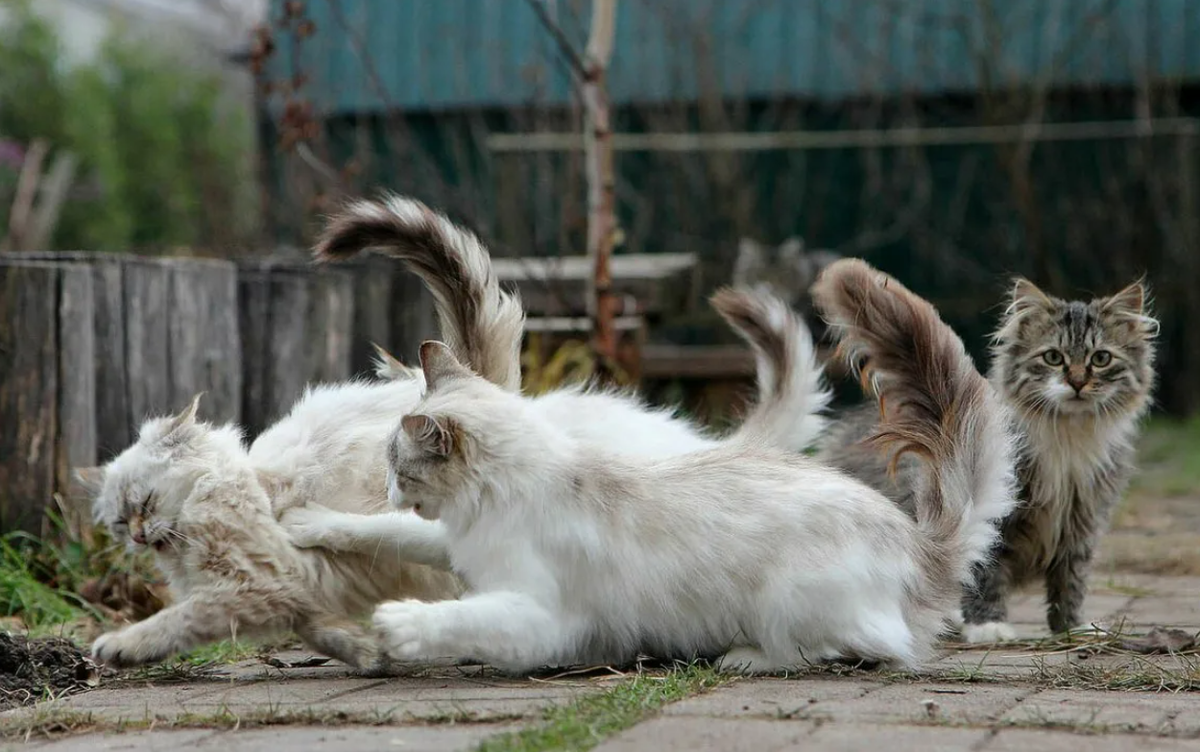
(1012, 699)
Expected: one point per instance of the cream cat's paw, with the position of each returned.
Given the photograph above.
(313, 526)
(127, 648)
(404, 629)
(988, 632)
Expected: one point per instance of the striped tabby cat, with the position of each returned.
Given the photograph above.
(1078, 375)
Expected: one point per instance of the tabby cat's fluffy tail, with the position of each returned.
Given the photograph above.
(480, 322)
(933, 403)
(791, 393)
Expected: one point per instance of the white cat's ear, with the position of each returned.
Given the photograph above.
(90, 480)
(389, 367)
(430, 435)
(439, 364)
(1131, 300)
(1027, 296)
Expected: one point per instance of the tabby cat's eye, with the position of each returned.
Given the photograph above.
(1053, 357)
(1101, 358)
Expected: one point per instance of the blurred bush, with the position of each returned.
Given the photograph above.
(162, 163)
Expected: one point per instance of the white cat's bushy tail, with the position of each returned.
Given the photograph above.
(792, 394)
(482, 323)
(933, 403)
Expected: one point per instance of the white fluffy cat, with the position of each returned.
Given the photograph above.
(575, 553)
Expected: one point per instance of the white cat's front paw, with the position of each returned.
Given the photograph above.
(405, 629)
(312, 526)
(126, 648)
(988, 633)
(747, 660)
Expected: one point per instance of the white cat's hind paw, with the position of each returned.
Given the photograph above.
(403, 629)
(988, 633)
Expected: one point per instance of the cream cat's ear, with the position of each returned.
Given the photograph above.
(438, 363)
(1026, 295)
(90, 480)
(185, 419)
(428, 433)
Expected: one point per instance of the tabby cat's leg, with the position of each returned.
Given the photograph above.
(985, 613)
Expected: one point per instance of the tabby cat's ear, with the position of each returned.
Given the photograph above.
(439, 364)
(1129, 305)
(1027, 296)
(1131, 300)
(434, 437)
(90, 480)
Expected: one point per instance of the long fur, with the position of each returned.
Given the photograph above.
(483, 323)
(934, 404)
(791, 393)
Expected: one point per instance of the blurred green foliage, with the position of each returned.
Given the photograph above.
(163, 161)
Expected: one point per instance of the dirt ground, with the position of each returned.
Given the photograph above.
(38, 669)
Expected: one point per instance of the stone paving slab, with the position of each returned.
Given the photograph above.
(1142, 712)
(1029, 740)
(446, 738)
(686, 734)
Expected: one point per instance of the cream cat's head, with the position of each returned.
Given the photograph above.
(1056, 356)
(456, 440)
(138, 495)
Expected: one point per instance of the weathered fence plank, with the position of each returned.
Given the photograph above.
(76, 429)
(28, 404)
(147, 288)
(373, 279)
(113, 425)
(203, 339)
(413, 318)
(296, 330)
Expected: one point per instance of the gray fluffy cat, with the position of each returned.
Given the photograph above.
(786, 271)
(1079, 376)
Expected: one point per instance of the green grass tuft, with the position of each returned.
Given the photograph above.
(588, 721)
(24, 594)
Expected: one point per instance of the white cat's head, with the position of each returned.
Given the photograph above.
(448, 447)
(138, 494)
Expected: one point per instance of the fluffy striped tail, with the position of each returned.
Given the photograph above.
(933, 403)
(791, 392)
(481, 323)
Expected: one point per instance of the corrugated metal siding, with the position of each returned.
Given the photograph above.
(436, 54)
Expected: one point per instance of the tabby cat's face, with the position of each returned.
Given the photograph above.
(1075, 357)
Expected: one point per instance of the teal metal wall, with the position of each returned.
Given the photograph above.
(368, 55)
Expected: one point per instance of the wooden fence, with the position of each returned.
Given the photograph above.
(92, 344)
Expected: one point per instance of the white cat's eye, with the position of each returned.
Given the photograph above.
(1101, 358)
(1053, 357)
